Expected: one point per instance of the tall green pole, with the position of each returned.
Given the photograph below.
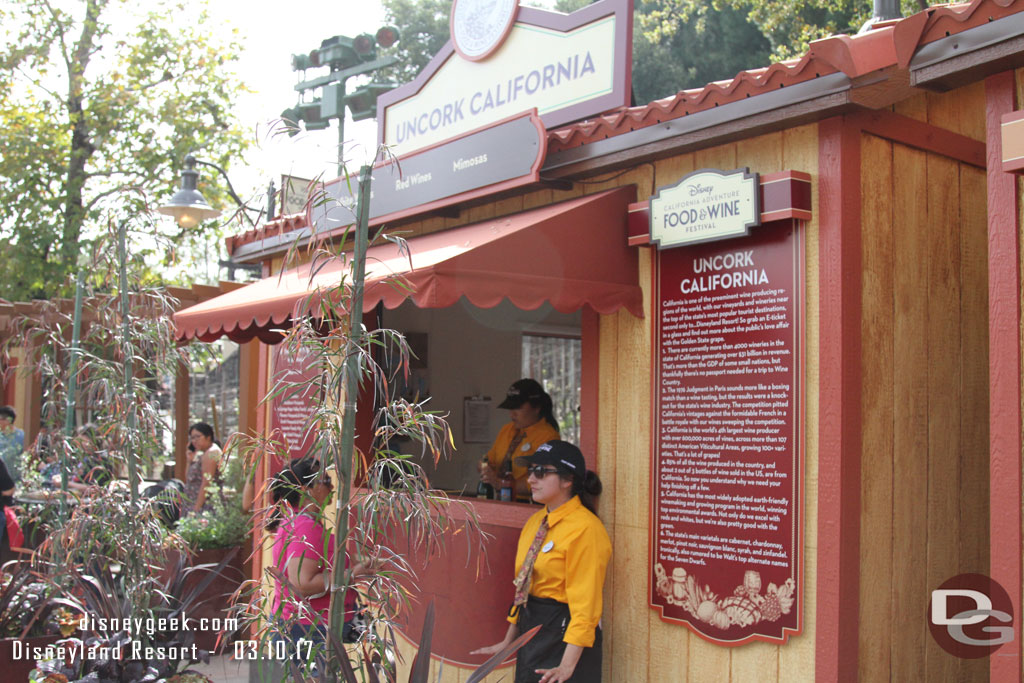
(348, 420)
(129, 366)
(70, 403)
(341, 128)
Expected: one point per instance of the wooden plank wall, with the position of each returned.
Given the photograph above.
(924, 492)
(639, 646)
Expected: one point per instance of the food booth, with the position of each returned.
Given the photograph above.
(797, 297)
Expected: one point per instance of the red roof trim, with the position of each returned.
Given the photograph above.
(893, 44)
(274, 228)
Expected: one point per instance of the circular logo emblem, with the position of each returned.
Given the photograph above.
(971, 616)
(479, 26)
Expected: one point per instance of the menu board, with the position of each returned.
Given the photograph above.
(292, 406)
(726, 505)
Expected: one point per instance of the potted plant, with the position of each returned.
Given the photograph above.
(213, 537)
(133, 609)
(27, 619)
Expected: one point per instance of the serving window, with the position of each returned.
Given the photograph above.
(466, 351)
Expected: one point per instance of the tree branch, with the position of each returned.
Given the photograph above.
(106, 193)
(60, 34)
(37, 84)
(168, 76)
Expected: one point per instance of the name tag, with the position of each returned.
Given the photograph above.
(548, 546)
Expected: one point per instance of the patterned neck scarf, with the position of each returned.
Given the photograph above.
(506, 464)
(522, 580)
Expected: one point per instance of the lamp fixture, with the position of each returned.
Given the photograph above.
(188, 206)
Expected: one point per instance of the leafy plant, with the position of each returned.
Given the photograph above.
(110, 342)
(395, 505)
(223, 526)
(97, 96)
(110, 534)
(24, 600)
(161, 651)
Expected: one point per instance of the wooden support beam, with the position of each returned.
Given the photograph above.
(921, 135)
(839, 434)
(1004, 318)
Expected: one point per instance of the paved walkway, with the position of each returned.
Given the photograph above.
(224, 669)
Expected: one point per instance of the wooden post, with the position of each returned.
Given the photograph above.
(590, 352)
(27, 397)
(838, 571)
(181, 417)
(248, 386)
(1004, 317)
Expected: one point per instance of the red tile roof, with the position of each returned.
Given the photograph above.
(892, 44)
(274, 228)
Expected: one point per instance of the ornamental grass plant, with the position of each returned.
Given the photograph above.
(383, 508)
(107, 557)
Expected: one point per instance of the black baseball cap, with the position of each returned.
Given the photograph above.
(522, 391)
(562, 454)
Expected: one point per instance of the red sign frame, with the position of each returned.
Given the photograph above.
(726, 532)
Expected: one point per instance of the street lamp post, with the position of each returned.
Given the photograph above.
(189, 208)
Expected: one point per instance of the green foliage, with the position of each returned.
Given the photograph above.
(718, 47)
(98, 97)
(424, 28)
(107, 345)
(790, 25)
(223, 526)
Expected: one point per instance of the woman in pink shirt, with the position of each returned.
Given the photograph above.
(302, 552)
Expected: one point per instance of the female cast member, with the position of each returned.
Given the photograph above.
(560, 566)
(531, 423)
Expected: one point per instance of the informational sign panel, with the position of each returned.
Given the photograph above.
(290, 409)
(704, 206)
(727, 473)
(505, 155)
(510, 150)
(294, 195)
(567, 66)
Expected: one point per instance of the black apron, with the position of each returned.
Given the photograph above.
(544, 651)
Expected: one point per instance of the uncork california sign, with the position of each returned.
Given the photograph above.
(504, 59)
(705, 206)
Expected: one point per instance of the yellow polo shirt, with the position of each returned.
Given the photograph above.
(537, 434)
(573, 568)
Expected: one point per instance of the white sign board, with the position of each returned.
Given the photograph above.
(704, 206)
(568, 67)
(294, 193)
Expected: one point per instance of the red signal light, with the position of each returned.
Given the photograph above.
(387, 36)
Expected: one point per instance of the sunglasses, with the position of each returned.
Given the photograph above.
(539, 471)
